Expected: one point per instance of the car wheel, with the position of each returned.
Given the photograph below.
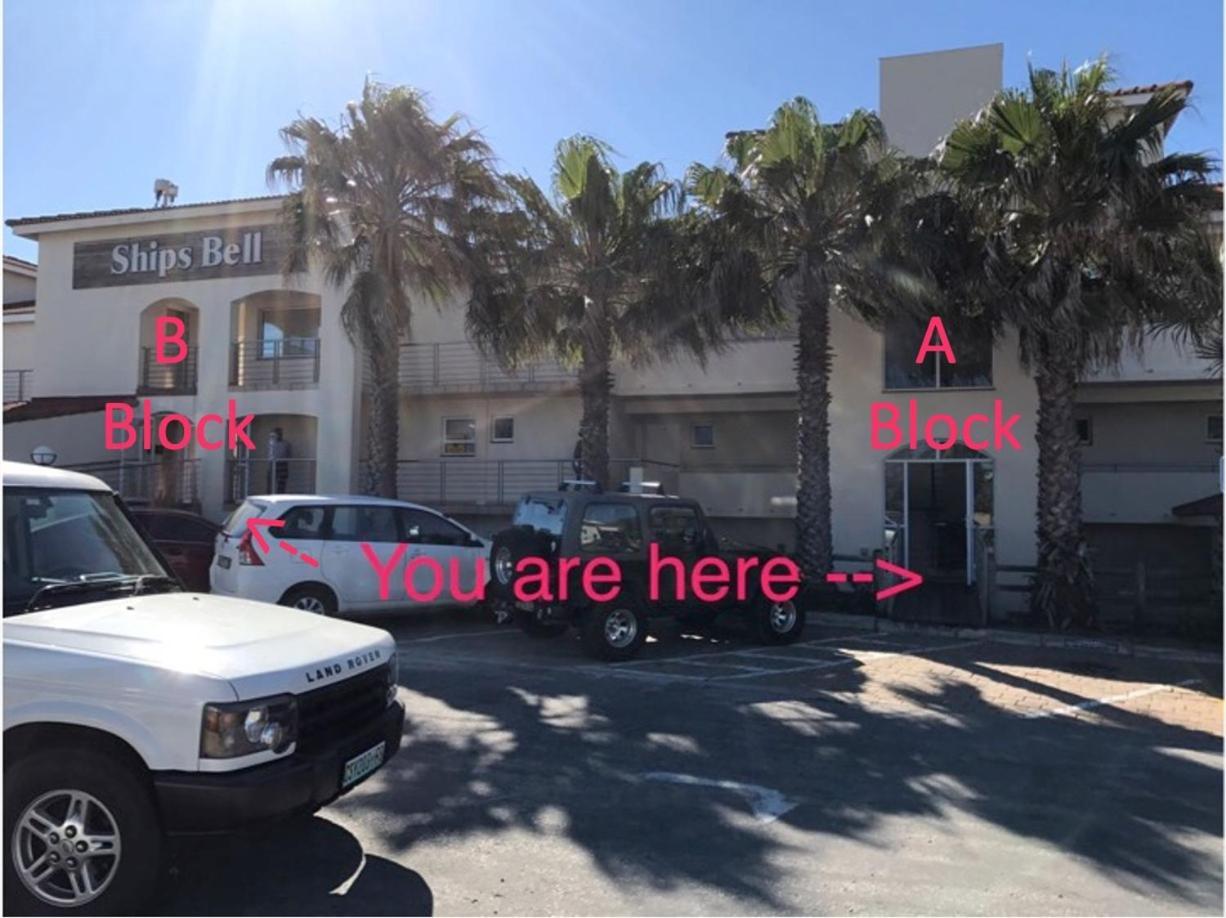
(532, 626)
(778, 622)
(615, 630)
(509, 547)
(310, 598)
(82, 835)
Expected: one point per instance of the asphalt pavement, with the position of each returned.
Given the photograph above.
(849, 774)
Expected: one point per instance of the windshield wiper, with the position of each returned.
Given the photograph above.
(137, 583)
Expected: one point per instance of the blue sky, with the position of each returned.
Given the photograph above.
(101, 98)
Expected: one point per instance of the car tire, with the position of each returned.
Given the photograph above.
(509, 547)
(532, 626)
(116, 802)
(310, 597)
(778, 622)
(615, 631)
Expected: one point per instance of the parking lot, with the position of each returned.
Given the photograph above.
(851, 772)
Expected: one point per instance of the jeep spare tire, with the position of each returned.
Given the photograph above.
(509, 548)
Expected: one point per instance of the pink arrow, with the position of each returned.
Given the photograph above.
(253, 526)
(253, 529)
(909, 579)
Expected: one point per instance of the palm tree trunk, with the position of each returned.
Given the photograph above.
(813, 523)
(596, 390)
(1063, 590)
(384, 437)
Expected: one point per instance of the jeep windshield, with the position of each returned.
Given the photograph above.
(63, 547)
(541, 514)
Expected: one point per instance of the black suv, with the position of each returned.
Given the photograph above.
(580, 526)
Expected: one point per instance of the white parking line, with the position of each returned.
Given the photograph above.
(869, 657)
(698, 660)
(1109, 700)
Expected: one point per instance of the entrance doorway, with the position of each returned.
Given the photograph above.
(938, 511)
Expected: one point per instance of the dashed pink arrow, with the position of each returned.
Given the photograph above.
(910, 578)
(255, 524)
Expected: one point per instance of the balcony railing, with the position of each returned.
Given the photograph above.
(501, 482)
(167, 378)
(245, 477)
(458, 366)
(165, 482)
(283, 363)
(17, 385)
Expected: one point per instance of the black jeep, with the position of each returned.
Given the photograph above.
(571, 528)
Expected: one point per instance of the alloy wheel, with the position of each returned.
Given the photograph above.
(621, 628)
(66, 848)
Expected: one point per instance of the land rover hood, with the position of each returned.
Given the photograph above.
(261, 649)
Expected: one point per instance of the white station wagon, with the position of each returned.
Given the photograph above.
(321, 565)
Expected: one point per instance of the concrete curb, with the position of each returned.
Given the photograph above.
(1119, 646)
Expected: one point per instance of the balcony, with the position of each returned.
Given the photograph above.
(245, 477)
(166, 482)
(17, 385)
(458, 366)
(500, 483)
(274, 363)
(167, 378)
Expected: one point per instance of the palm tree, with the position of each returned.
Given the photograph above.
(1094, 237)
(385, 201)
(807, 203)
(596, 272)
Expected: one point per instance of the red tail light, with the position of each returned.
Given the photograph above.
(247, 555)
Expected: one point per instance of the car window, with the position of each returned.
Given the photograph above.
(545, 515)
(154, 524)
(236, 522)
(302, 523)
(675, 528)
(184, 529)
(422, 528)
(364, 523)
(610, 529)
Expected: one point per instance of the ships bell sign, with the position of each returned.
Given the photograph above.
(203, 255)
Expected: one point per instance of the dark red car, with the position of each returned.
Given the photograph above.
(185, 539)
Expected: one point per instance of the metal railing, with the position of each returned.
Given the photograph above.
(167, 378)
(165, 482)
(17, 385)
(284, 363)
(245, 477)
(501, 482)
(459, 366)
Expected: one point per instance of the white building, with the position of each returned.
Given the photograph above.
(473, 436)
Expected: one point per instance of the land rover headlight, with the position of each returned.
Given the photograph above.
(393, 677)
(246, 727)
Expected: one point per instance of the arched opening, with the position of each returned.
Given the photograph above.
(274, 340)
(939, 511)
(178, 378)
(283, 461)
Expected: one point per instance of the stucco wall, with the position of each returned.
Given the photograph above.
(923, 95)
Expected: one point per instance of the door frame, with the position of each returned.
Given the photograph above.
(968, 478)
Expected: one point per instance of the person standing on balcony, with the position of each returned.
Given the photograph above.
(278, 462)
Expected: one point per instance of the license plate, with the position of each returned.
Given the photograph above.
(223, 562)
(360, 766)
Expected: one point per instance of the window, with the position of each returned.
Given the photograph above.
(675, 528)
(288, 333)
(302, 523)
(610, 529)
(168, 527)
(364, 523)
(970, 339)
(1085, 431)
(544, 515)
(1213, 428)
(422, 528)
(502, 430)
(459, 437)
(702, 436)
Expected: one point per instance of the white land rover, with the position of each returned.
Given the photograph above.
(133, 710)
